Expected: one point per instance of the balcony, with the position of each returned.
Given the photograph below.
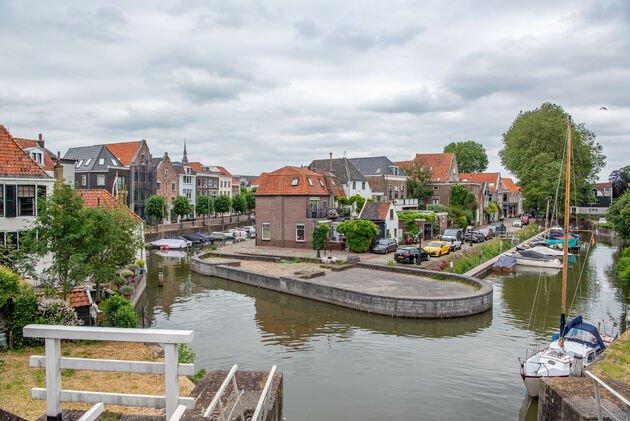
(327, 213)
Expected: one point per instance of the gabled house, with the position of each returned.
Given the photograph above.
(23, 182)
(290, 202)
(384, 215)
(187, 180)
(603, 189)
(352, 180)
(136, 157)
(167, 181)
(387, 181)
(511, 202)
(491, 189)
(46, 158)
(96, 167)
(603, 193)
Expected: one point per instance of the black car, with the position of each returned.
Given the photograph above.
(411, 254)
(475, 236)
(499, 228)
(385, 245)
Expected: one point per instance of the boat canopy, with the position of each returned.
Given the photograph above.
(584, 333)
(170, 243)
(506, 262)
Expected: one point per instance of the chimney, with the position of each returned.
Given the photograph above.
(330, 153)
(58, 171)
(41, 137)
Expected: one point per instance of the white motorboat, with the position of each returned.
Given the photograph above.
(529, 258)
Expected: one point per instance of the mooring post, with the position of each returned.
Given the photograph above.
(53, 379)
(480, 255)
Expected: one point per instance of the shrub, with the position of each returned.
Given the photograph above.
(323, 233)
(9, 285)
(462, 222)
(359, 234)
(623, 266)
(57, 311)
(141, 263)
(120, 312)
(185, 355)
(24, 313)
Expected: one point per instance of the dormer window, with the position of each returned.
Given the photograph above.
(321, 183)
(491, 184)
(438, 179)
(113, 162)
(295, 181)
(37, 156)
(87, 162)
(310, 182)
(333, 182)
(101, 161)
(80, 163)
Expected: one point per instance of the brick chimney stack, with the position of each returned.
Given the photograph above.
(58, 169)
(41, 137)
(330, 153)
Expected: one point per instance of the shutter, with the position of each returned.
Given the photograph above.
(10, 200)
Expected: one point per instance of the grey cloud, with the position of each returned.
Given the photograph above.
(206, 87)
(308, 29)
(104, 24)
(416, 101)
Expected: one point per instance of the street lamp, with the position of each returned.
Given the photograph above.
(317, 238)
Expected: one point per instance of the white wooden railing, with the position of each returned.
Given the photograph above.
(596, 383)
(54, 363)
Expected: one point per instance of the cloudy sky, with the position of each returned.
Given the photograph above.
(255, 86)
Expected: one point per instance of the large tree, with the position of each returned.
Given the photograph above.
(619, 216)
(203, 206)
(112, 239)
(619, 179)
(181, 206)
(155, 207)
(418, 182)
(534, 150)
(59, 227)
(222, 204)
(471, 156)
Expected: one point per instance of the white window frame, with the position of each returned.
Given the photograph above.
(98, 178)
(262, 231)
(84, 180)
(303, 233)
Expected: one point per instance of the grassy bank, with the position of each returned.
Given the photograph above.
(615, 362)
(490, 249)
(17, 378)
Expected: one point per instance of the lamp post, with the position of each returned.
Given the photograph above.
(317, 238)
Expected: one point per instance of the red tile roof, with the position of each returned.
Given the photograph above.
(195, 166)
(49, 164)
(280, 182)
(15, 161)
(224, 171)
(491, 178)
(125, 151)
(439, 163)
(508, 184)
(103, 199)
(77, 297)
(603, 185)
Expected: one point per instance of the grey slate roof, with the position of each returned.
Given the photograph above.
(87, 158)
(341, 167)
(377, 165)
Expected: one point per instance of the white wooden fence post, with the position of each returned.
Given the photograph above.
(53, 379)
(171, 381)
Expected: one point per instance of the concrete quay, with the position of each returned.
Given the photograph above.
(370, 287)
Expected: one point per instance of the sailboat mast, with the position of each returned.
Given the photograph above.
(565, 260)
(546, 218)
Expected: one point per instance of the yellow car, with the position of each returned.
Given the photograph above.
(437, 248)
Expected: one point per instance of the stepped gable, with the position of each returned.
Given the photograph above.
(15, 161)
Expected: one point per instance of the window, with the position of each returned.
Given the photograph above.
(88, 162)
(101, 161)
(310, 182)
(391, 187)
(1, 201)
(165, 173)
(438, 179)
(391, 214)
(41, 192)
(435, 200)
(159, 185)
(333, 182)
(402, 188)
(173, 186)
(299, 232)
(100, 180)
(84, 180)
(113, 161)
(321, 183)
(354, 185)
(363, 185)
(187, 179)
(396, 188)
(295, 181)
(266, 231)
(37, 157)
(505, 197)
(26, 200)
(80, 163)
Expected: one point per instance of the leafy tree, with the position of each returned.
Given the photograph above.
(462, 221)
(181, 206)
(250, 197)
(60, 228)
(623, 266)
(156, 207)
(410, 217)
(203, 206)
(112, 238)
(461, 197)
(359, 234)
(418, 182)
(534, 150)
(18, 260)
(239, 203)
(471, 156)
(9, 286)
(359, 200)
(222, 204)
(322, 229)
(619, 179)
(619, 216)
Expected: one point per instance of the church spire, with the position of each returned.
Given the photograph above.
(185, 157)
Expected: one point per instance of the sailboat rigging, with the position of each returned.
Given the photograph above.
(577, 342)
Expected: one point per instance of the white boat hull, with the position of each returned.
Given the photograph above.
(555, 263)
(532, 384)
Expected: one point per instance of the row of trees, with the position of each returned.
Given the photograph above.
(157, 208)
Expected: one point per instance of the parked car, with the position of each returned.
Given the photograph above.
(525, 220)
(411, 254)
(602, 221)
(251, 229)
(454, 237)
(499, 227)
(385, 245)
(517, 223)
(487, 233)
(475, 237)
(438, 248)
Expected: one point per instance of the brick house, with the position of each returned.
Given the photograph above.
(491, 189)
(444, 173)
(387, 181)
(290, 202)
(510, 200)
(384, 215)
(166, 180)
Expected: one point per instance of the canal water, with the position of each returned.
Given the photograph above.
(344, 364)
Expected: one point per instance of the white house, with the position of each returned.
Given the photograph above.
(384, 215)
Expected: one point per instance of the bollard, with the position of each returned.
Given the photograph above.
(480, 255)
